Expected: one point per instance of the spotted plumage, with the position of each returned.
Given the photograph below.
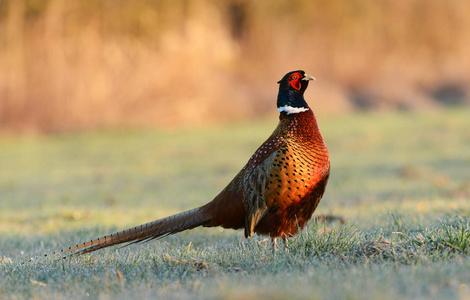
(274, 194)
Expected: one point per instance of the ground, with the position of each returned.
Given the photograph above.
(399, 179)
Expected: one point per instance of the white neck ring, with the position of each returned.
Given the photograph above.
(292, 110)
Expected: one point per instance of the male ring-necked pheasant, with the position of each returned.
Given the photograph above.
(274, 194)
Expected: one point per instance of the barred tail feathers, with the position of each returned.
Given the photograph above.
(155, 229)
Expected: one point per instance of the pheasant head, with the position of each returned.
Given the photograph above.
(292, 86)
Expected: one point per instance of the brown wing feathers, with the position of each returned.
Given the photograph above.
(255, 184)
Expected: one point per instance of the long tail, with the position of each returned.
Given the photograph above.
(148, 231)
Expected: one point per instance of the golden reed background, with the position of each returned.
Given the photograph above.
(68, 65)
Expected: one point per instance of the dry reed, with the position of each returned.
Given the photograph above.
(68, 65)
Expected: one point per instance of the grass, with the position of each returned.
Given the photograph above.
(400, 179)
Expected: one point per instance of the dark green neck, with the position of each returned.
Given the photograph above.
(291, 101)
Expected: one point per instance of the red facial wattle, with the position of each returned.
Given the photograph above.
(294, 80)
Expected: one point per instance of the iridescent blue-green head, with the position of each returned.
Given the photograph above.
(292, 86)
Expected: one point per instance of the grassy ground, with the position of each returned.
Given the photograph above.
(401, 180)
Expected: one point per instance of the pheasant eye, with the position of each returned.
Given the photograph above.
(294, 81)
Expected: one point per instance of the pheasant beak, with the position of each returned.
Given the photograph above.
(308, 77)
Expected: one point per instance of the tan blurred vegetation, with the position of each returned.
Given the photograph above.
(67, 65)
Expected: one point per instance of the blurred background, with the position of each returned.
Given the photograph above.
(79, 65)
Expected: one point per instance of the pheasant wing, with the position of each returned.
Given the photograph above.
(255, 182)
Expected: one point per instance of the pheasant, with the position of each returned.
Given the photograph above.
(275, 193)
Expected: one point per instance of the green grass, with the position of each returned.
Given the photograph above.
(402, 181)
